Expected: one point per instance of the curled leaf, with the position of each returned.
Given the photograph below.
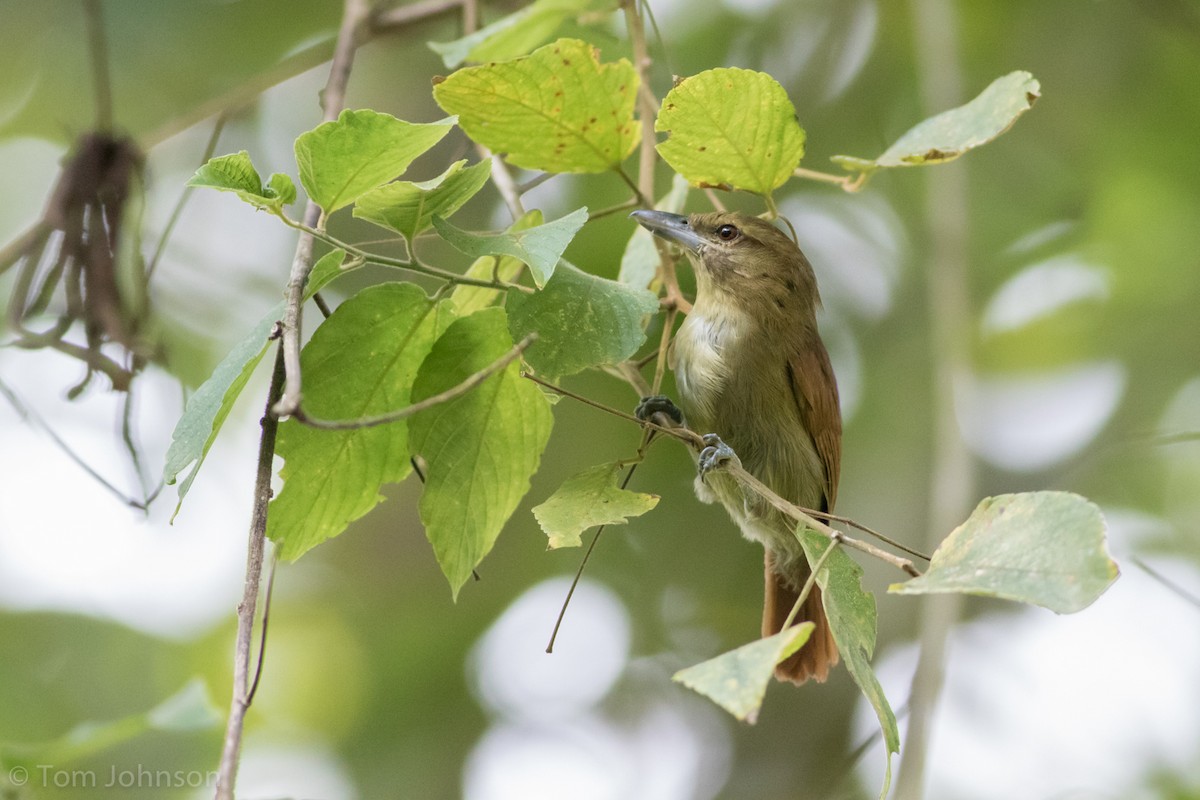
(948, 135)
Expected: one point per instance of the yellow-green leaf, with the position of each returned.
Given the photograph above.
(540, 247)
(586, 500)
(408, 207)
(360, 362)
(737, 680)
(235, 173)
(948, 135)
(480, 449)
(339, 161)
(558, 109)
(469, 299)
(731, 127)
(510, 36)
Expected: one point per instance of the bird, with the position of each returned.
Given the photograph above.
(753, 375)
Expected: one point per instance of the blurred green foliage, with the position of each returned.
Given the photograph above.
(367, 651)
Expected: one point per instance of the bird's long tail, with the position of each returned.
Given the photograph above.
(819, 653)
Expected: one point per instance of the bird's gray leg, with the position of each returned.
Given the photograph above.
(715, 455)
(658, 404)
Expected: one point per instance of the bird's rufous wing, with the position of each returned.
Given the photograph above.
(815, 390)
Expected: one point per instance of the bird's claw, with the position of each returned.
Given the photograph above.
(658, 404)
(715, 455)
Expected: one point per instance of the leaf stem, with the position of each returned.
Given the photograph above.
(412, 265)
(846, 182)
(535, 181)
(633, 463)
(618, 208)
(834, 541)
(453, 393)
(645, 201)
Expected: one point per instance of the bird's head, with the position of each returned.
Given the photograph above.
(740, 257)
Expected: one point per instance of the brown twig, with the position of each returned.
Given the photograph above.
(29, 415)
(828, 517)
(101, 78)
(587, 556)
(405, 16)
(231, 750)
(664, 343)
(748, 481)
(646, 102)
(454, 392)
(1167, 583)
(285, 378)
(638, 458)
(333, 98)
(799, 514)
(177, 211)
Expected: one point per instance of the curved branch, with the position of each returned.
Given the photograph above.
(662, 424)
(286, 377)
(453, 393)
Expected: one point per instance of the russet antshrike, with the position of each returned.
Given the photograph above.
(752, 369)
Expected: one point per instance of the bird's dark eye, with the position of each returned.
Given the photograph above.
(727, 233)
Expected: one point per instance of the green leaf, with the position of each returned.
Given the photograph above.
(948, 135)
(737, 680)
(280, 188)
(480, 449)
(408, 208)
(235, 173)
(731, 127)
(469, 299)
(639, 264)
(1045, 548)
(360, 362)
(342, 160)
(586, 500)
(208, 407)
(510, 36)
(851, 613)
(540, 247)
(558, 109)
(189, 709)
(582, 321)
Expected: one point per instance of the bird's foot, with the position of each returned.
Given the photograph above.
(658, 404)
(716, 455)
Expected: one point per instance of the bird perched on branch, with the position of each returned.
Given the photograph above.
(752, 369)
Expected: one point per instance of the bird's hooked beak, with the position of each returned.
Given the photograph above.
(672, 227)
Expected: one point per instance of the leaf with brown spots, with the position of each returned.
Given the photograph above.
(558, 109)
(948, 135)
(731, 128)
